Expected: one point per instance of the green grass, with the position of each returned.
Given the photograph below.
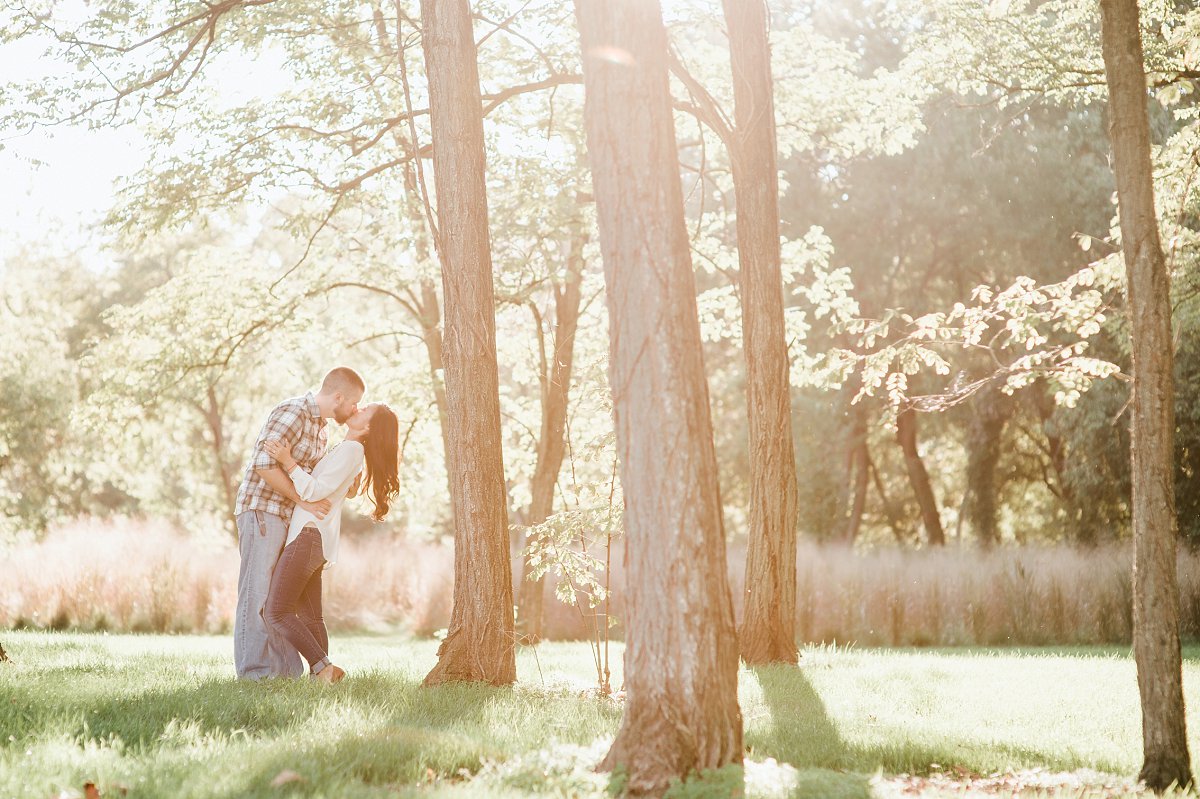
(162, 716)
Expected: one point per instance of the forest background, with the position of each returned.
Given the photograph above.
(950, 246)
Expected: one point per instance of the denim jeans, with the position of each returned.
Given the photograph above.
(294, 603)
(257, 650)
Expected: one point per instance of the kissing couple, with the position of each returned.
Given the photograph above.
(289, 516)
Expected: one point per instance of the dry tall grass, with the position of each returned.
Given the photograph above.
(143, 577)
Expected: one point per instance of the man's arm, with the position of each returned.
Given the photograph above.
(277, 479)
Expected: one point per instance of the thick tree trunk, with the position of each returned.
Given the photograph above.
(768, 633)
(555, 379)
(991, 410)
(1155, 588)
(479, 643)
(681, 655)
(906, 435)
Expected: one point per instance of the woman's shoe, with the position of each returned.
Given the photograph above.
(331, 674)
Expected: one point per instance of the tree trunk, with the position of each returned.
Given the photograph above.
(906, 435)
(479, 643)
(681, 655)
(768, 633)
(990, 412)
(555, 380)
(1155, 588)
(226, 476)
(857, 463)
(893, 516)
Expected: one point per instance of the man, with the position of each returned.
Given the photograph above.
(264, 508)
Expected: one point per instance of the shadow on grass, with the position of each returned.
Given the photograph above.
(105, 707)
(221, 737)
(387, 757)
(803, 734)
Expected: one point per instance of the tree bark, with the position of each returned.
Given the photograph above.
(479, 643)
(991, 410)
(681, 655)
(555, 380)
(906, 435)
(1155, 587)
(894, 519)
(768, 633)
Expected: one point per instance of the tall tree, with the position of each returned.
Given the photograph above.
(768, 632)
(479, 643)
(554, 380)
(1155, 587)
(906, 437)
(226, 468)
(681, 654)
(989, 414)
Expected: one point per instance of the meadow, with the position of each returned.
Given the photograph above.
(82, 577)
(162, 716)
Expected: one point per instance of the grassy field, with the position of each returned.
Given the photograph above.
(162, 716)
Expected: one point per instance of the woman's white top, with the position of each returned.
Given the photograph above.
(330, 480)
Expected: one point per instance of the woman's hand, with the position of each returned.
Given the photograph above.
(320, 508)
(281, 452)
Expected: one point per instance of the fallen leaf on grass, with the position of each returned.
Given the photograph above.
(90, 791)
(286, 777)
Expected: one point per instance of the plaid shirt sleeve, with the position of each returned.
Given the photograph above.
(284, 424)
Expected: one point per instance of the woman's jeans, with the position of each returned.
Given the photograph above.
(294, 602)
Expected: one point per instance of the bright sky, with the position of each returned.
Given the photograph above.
(72, 188)
(63, 180)
(57, 178)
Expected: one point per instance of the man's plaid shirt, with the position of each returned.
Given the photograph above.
(298, 422)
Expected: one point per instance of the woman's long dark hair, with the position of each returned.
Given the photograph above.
(382, 450)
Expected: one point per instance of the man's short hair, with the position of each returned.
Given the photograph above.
(342, 379)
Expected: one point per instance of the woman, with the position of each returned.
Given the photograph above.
(294, 603)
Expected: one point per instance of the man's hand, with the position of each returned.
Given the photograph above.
(281, 452)
(320, 508)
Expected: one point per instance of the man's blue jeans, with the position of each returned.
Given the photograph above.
(259, 651)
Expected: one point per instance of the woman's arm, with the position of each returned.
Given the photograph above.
(337, 465)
